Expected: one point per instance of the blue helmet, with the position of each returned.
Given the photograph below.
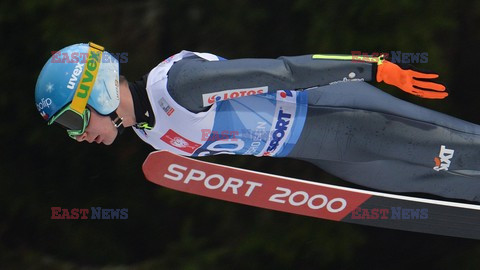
(60, 76)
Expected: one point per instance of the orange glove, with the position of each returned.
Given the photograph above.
(411, 81)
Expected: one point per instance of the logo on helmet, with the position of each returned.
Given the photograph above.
(44, 103)
(74, 78)
(88, 77)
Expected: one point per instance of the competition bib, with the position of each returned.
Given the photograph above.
(262, 125)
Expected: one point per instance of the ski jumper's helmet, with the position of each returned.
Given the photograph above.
(62, 75)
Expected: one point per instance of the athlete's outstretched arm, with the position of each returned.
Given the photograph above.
(190, 78)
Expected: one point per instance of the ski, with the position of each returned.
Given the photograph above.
(311, 198)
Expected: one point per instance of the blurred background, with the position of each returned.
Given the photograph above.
(41, 167)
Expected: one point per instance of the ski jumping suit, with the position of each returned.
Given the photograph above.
(320, 111)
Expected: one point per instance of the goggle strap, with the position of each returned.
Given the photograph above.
(89, 75)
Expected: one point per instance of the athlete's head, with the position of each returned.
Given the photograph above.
(78, 88)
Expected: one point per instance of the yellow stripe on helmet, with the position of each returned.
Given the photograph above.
(89, 75)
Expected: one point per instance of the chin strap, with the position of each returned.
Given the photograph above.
(117, 122)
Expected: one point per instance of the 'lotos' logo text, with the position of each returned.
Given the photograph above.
(210, 98)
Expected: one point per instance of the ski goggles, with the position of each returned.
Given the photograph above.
(75, 123)
(76, 116)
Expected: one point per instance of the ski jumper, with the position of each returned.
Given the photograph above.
(321, 111)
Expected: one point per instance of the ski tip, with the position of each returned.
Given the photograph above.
(153, 160)
(149, 163)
